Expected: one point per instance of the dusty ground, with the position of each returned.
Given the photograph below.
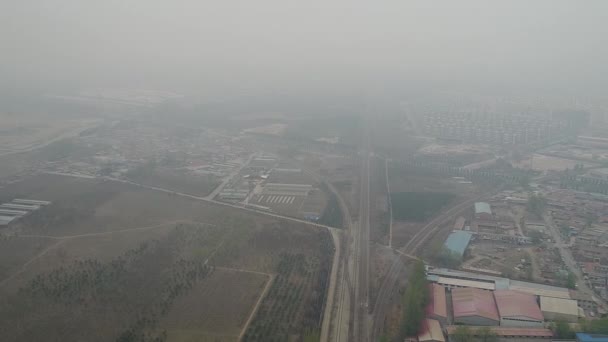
(96, 222)
(231, 293)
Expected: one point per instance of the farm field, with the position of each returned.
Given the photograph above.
(136, 264)
(228, 291)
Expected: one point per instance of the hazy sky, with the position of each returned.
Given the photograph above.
(206, 45)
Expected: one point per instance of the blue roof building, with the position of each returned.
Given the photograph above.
(458, 241)
(584, 337)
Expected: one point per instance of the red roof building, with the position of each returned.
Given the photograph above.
(518, 309)
(437, 307)
(474, 307)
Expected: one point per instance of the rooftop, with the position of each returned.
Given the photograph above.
(431, 331)
(559, 305)
(465, 283)
(482, 207)
(458, 241)
(474, 302)
(517, 304)
(437, 301)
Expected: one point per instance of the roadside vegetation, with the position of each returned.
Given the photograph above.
(294, 303)
(414, 301)
(464, 333)
(332, 215)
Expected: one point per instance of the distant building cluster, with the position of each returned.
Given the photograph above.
(491, 129)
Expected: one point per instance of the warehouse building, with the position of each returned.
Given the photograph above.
(31, 202)
(559, 309)
(457, 242)
(474, 307)
(16, 206)
(5, 220)
(280, 189)
(518, 309)
(454, 283)
(438, 306)
(12, 212)
(539, 289)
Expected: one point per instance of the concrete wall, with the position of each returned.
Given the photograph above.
(475, 320)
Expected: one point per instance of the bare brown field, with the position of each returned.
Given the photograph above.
(125, 261)
(231, 293)
(83, 206)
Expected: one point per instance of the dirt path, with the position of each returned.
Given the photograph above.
(260, 299)
(61, 239)
(23, 267)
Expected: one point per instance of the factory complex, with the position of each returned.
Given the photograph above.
(512, 310)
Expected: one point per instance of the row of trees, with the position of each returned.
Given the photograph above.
(414, 300)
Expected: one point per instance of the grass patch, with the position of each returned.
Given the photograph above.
(418, 206)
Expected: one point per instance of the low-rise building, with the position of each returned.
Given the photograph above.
(559, 309)
(458, 241)
(437, 307)
(518, 309)
(474, 307)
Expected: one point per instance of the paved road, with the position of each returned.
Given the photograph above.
(361, 254)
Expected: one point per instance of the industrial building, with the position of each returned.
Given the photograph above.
(437, 307)
(518, 309)
(454, 283)
(280, 189)
(12, 211)
(5, 220)
(474, 307)
(19, 206)
(483, 211)
(469, 279)
(457, 242)
(233, 194)
(511, 334)
(431, 331)
(559, 309)
(31, 202)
